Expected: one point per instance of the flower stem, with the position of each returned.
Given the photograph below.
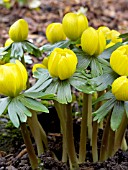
(61, 114)
(94, 142)
(83, 132)
(30, 149)
(89, 120)
(38, 133)
(70, 139)
(124, 145)
(111, 141)
(95, 132)
(104, 143)
(120, 132)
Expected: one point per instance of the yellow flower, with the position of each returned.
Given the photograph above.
(93, 41)
(119, 60)
(74, 25)
(105, 30)
(8, 42)
(44, 64)
(19, 31)
(113, 36)
(62, 63)
(55, 33)
(120, 88)
(13, 78)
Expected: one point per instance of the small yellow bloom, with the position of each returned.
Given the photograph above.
(44, 64)
(93, 41)
(105, 30)
(62, 63)
(120, 88)
(55, 33)
(74, 25)
(8, 42)
(119, 60)
(113, 36)
(13, 78)
(19, 31)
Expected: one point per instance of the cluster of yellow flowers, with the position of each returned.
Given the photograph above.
(119, 63)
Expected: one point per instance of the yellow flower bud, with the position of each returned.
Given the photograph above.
(55, 33)
(93, 41)
(62, 63)
(8, 42)
(120, 88)
(74, 25)
(19, 31)
(13, 78)
(119, 60)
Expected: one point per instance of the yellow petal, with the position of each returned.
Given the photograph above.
(38, 66)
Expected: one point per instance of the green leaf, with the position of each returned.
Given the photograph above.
(33, 104)
(41, 95)
(81, 84)
(13, 115)
(126, 107)
(23, 108)
(17, 50)
(43, 85)
(105, 96)
(107, 53)
(101, 83)
(22, 116)
(125, 35)
(4, 102)
(64, 92)
(52, 88)
(41, 80)
(50, 47)
(31, 48)
(96, 68)
(117, 115)
(104, 110)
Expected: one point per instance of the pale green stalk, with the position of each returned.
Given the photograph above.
(31, 154)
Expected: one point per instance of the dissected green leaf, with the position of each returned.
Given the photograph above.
(117, 115)
(17, 50)
(52, 88)
(22, 116)
(107, 53)
(31, 48)
(4, 102)
(96, 68)
(50, 47)
(101, 83)
(23, 108)
(104, 110)
(43, 85)
(33, 104)
(13, 115)
(36, 95)
(125, 35)
(105, 96)
(64, 92)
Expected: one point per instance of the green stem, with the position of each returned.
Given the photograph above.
(70, 138)
(95, 132)
(120, 132)
(111, 141)
(30, 149)
(104, 142)
(61, 114)
(94, 142)
(83, 132)
(37, 133)
(89, 120)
